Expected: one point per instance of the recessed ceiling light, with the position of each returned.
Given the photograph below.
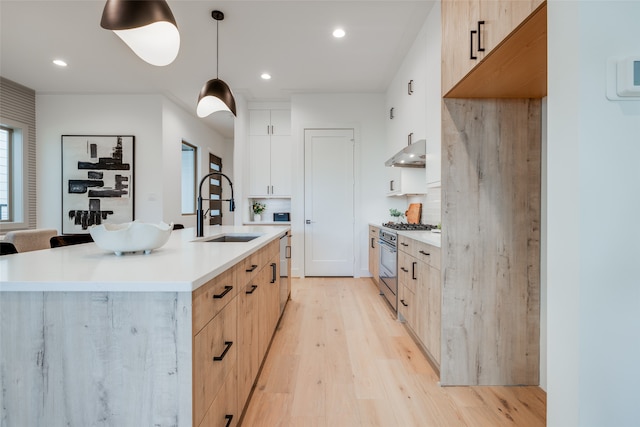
(265, 76)
(59, 62)
(338, 33)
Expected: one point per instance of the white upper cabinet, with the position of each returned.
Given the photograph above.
(270, 153)
(269, 122)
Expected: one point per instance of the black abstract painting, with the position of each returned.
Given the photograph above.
(97, 181)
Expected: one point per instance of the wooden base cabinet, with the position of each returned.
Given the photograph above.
(374, 253)
(234, 316)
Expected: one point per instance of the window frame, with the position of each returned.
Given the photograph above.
(194, 181)
(19, 179)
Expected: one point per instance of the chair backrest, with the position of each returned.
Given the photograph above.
(7, 248)
(178, 226)
(31, 240)
(70, 239)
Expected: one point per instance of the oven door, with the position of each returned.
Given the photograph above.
(389, 273)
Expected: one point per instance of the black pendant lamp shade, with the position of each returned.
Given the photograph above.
(146, 26)
(215, 95)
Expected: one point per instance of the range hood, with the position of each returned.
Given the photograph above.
(411, 156)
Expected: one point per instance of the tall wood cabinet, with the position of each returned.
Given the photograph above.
(491, 189)
(270, 153)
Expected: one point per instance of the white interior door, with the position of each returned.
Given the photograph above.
(329, 202)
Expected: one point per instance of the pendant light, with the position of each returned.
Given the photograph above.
(215, 95)
(146, 26)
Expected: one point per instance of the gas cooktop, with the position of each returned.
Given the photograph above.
(409, 227)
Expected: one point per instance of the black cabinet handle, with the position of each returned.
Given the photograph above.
(228, 418)
(480, 48)
(372, 247)
(228, 345)
(425, 253)
(410, 87)
(404, 244)
(391, 113)
(409, 138)
(273, 272)
(227, 289)
(404, 303)
(253, 288)
(404, 269)
(391, 185)
(253, 267)
(413, 270)
(471, 55)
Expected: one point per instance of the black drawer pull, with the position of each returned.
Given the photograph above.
(404, 303)
(227, 289)
(228, 418)
(471, 55)
(413, 270)
(480, 48)
(253, 267)
(253, 288)
(404, 269)
(228, 345)
(404, 244)
(273, 272)
(425, 253)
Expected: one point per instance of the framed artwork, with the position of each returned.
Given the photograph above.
(97, 181)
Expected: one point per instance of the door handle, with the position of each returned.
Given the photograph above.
(480, 48)
(309, 221)
(413, 270)
(471, 55)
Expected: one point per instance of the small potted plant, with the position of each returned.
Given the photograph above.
(395, 215)
(257, 209)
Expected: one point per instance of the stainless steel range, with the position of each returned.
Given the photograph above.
(388, 276)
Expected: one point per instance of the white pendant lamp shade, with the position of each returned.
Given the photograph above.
(146, 26)
(215, 96)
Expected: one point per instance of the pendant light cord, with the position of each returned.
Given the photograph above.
(217, 48)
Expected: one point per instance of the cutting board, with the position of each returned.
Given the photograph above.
(414, 213)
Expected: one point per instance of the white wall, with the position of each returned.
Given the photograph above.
(593, 202)
(365, 113)
(158, 126)
(178, 126)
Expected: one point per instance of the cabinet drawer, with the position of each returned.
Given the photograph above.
(407, 271)
(224, 409)
(406, 244)
(428, 254)
(251, 266)
(214, 358)
(374, 231)
(407, 306)
(211, 297)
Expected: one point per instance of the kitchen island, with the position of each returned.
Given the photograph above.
(88, 338)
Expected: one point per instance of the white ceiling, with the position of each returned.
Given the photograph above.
(289, 39)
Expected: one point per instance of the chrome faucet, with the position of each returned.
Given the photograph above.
(200, 213)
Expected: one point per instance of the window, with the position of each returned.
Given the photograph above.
(14, 176)
(189, 178)
(6, 205)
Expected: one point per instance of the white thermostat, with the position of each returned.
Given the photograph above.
(623, 78)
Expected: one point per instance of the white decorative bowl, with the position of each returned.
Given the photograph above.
(131, 236)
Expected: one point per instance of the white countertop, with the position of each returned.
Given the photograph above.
(181, 265)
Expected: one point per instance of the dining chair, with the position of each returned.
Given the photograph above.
(7, 248)
(31, 240)
(70, 239)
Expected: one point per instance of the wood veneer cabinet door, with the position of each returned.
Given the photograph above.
(248, 339)
(492, 21)
(211, 297)
(224, 411)
(429, 302)
(214, 358)
(374, 253)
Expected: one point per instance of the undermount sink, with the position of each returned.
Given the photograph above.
(232, 238)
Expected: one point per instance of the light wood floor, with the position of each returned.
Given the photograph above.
(339, 358)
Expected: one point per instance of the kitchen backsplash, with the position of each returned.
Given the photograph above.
(430, 205)
(272, 206)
